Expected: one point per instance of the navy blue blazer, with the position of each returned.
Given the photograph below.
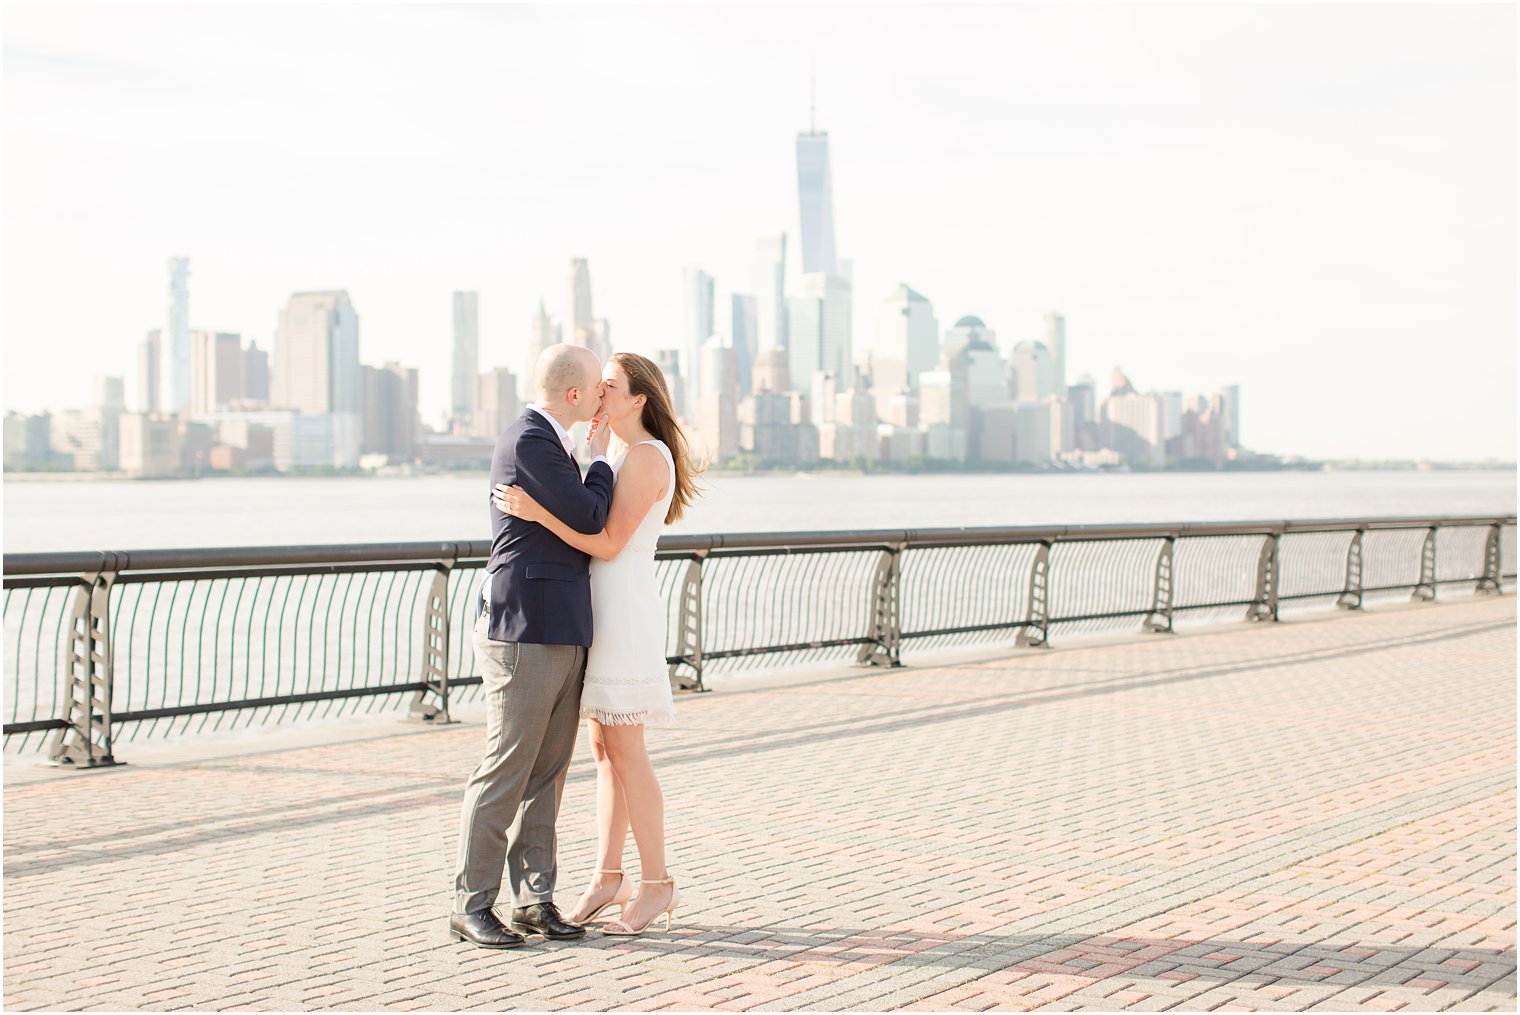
(541, 587)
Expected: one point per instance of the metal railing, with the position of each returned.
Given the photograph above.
(102, 646)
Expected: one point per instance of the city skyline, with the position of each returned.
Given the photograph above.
(1442, 280)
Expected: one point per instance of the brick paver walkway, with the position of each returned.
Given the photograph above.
(1319, 813)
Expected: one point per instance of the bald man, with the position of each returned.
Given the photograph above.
(530, 641)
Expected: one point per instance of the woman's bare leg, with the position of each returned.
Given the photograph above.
(611, 829)
(645, 803)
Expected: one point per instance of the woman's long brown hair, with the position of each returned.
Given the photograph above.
(659, 418)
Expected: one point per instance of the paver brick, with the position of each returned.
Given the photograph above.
(1314, 814)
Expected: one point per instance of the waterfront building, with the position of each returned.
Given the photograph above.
(1231, 395)
(772, 373)
(815, 200)
(578, 314)
(28, 441)
(86, 439)
(986, 373)
(216, 370)
(497, 401)
(464, 388)
(965, 331)
(717, 418)
(770, 293)
(907, 340)
(1055, 341)
(945, 443)
(174, 370)
(1032, 369)
(391, 421)
(149, 444)
(696, 328)
(542, 333)
(745, 334)
(149, 393)
(669, 362)
(255, 375)
(1132, 424)
(316, 371)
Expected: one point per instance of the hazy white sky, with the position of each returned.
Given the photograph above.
(1318, 203)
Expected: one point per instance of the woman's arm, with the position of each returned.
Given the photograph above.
(641, 483)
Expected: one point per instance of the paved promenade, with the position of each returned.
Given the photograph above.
(1313, 814)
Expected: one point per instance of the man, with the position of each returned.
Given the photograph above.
(530, 642)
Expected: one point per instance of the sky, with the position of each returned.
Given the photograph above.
(1315, 202)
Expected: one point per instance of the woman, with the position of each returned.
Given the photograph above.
(627, 684)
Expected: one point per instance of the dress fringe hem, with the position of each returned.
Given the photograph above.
(638, 717)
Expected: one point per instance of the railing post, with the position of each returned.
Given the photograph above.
(885, 647)
(1351, 595)
(1159, 620)
(87, 740)
(1036, 629)
(432, 703)
(1492, 582)
(689, 629)
(1264, 606)
(1426, 590)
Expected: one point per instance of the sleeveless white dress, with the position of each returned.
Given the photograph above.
(627, 679)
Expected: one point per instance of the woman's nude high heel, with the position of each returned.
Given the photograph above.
(620, 929)
(619, 898)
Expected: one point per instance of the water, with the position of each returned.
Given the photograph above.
(126, 515)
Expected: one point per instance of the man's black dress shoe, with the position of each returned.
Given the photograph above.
(543, 918)
(484, 929)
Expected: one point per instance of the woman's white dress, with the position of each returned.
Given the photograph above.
(627, 679)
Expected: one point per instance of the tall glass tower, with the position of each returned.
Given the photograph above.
(815, 198)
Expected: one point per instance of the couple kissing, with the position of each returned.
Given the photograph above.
(572, 627)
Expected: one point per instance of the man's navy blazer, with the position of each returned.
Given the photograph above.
(541, 587)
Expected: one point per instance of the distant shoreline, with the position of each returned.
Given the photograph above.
(1331, 467)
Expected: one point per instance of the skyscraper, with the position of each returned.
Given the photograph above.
(770, 292)
(174, 375)
(907, 340)
(255, 374)
(745, 338)
(831, 350)
(149, 372)
(1055, 341)
(542, 333)
(815, 198)
(697, 325)
(466, 374)
(216, 371)
(804, 352)
(578, 302)
(316, 355)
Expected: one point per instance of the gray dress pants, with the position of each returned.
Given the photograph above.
(533, 701)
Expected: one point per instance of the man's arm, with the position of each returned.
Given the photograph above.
(548, 474)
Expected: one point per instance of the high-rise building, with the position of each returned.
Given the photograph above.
(391, 423)
(770, 292)
(174, 375)
(717, 418)
(744, 332)
(255, 374)
(965, 331)
(771, 373)
(466, 373)
(1055, 341)
(907, 340)
(1231, 395)
(316, 354)
(149, 372)
(669, 362)
(834, 350)
(815, 199)
(316, 369)
(542, 333)
(216, 370)
(577, 299)
(1034, 371)
(804, 327)
(697, 327)
(1133, 426)
(498, 404)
